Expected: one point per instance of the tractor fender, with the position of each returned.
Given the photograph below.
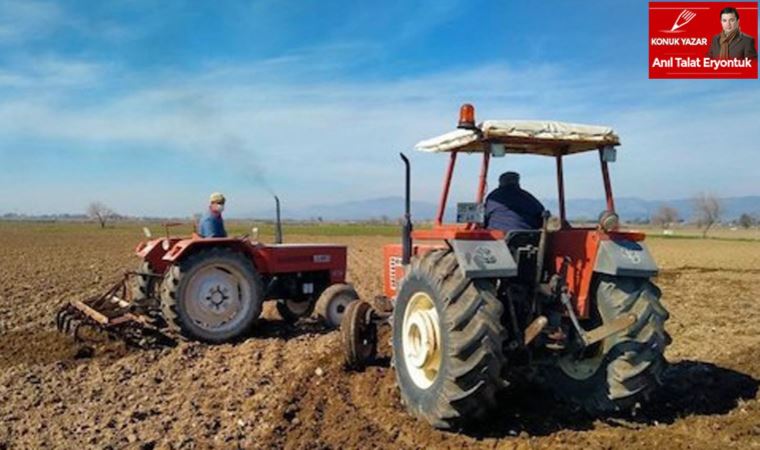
(184, 247)
(149, 249)
(153, 252)
(484, 259)
(626, 258)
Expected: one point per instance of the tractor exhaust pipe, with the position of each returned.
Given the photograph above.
(278, 222)
(406, 231)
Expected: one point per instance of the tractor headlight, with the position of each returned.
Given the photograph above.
(165, 245)
(609, 221)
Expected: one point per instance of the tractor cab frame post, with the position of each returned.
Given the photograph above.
(445, 190)
(561, 191)
(483, 180)
(607, 184)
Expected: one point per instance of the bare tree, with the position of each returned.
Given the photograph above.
(746, 221)
(708, 209)
(100, 212)
(665, 216)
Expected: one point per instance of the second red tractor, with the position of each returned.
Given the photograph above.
(213, 289)
(472, 308)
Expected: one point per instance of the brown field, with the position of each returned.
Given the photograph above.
(267, 391)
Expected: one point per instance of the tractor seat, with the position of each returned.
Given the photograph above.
(521, 238)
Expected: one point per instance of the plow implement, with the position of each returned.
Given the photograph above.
(135, 321)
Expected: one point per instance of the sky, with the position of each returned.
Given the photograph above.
(150, 106)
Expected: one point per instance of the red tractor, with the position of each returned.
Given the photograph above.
(471, 307)
(213, 289)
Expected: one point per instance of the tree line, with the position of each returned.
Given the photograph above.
(708, 210)
(707, 207)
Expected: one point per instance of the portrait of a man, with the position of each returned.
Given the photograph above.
(731, 42)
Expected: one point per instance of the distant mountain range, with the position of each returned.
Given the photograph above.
(391, 208)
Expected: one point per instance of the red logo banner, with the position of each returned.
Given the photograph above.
(702, 40)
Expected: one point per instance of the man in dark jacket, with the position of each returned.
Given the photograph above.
(509, 207)
(212, 224)
(731, 43)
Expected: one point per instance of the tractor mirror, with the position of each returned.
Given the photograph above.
(471, 213)
(498, 150)
(609, 154)
(147, 233)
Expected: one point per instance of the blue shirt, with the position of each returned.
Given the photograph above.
(511, 208)
(211, 225)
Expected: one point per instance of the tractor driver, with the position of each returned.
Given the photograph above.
(509, 207)
(212, 224)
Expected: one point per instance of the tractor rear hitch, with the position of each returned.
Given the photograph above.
(598, 334)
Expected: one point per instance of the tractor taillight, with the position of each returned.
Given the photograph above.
(466, 116)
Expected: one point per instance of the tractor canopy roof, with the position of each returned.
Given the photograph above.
(540, 137)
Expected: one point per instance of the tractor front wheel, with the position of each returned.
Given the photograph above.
(624, 368)
(292, 310)
(447, 342)
(333, 302)
(214, 295)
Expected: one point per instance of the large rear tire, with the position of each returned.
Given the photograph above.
(626, 367)
(214, 295)
(447, 342)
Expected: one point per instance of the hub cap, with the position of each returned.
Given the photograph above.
(337, 307)
(582, 367)
(217, 297)
(422, 340)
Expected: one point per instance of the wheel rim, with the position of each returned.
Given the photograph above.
(337, 308)
(421, 340)
(218, 297)
(298, 308)
(584, 367)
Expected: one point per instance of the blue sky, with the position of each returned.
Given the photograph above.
(149, 106)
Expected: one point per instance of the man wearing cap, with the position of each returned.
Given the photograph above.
(212, 224)
(509, 207)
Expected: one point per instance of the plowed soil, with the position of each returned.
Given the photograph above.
(284, 387)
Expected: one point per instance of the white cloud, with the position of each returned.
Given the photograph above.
(338, 139)
(25, 20)
(44, 74)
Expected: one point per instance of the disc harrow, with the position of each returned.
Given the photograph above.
(137, 323)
